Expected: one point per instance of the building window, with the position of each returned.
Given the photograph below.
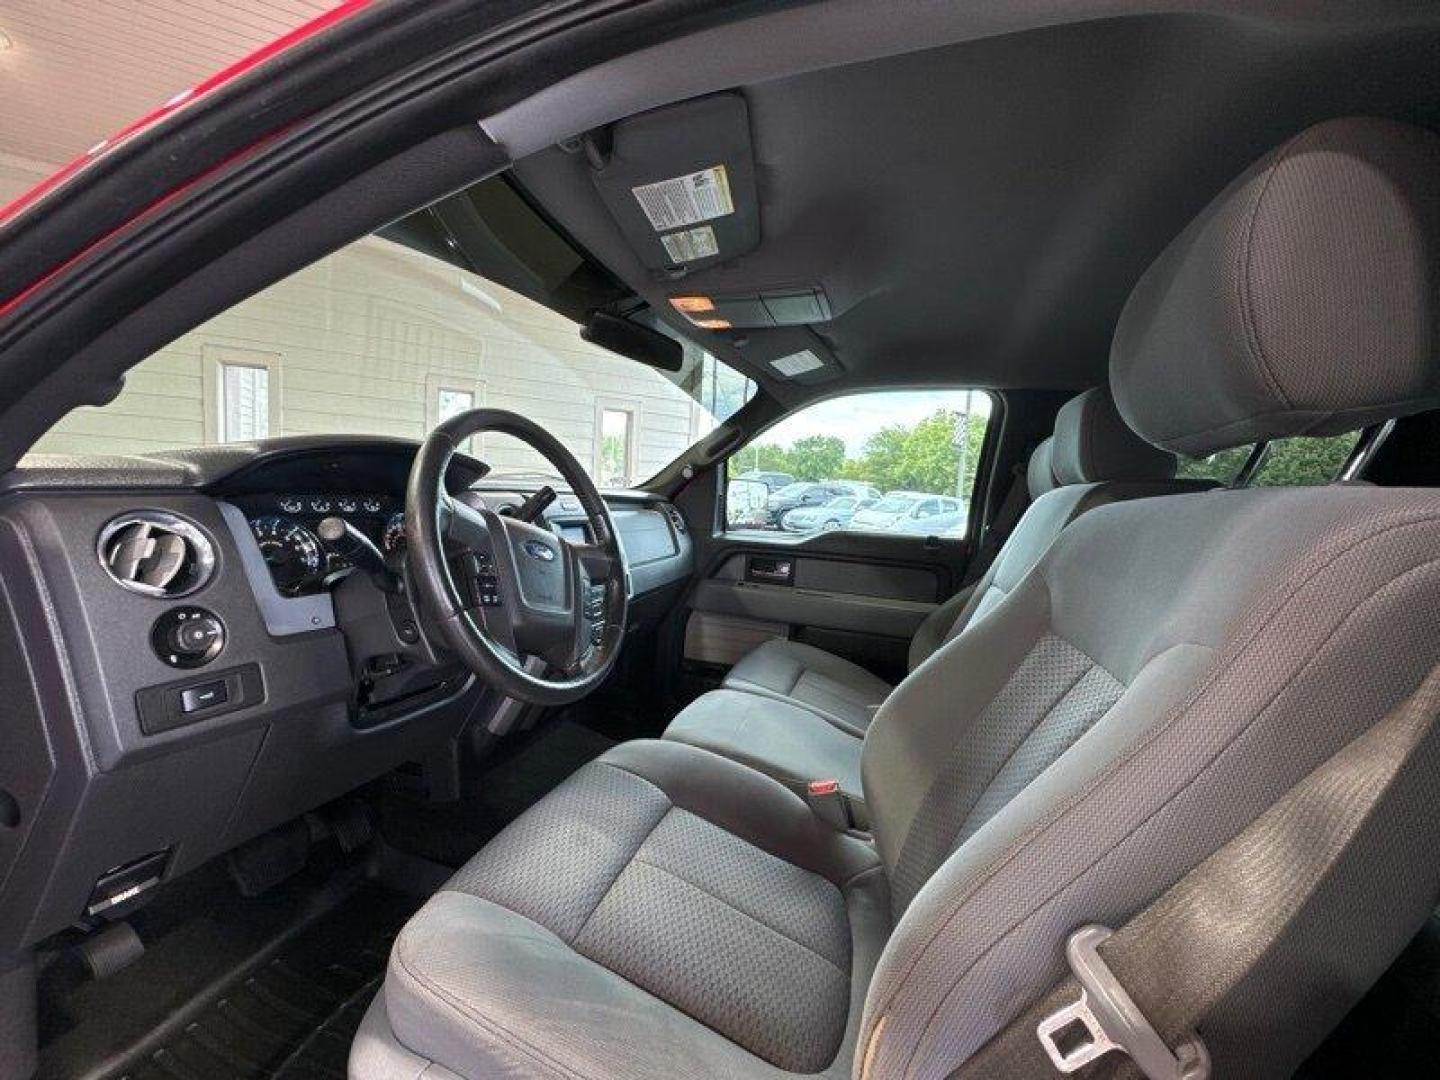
(242, 395)
(615, 451)
(446, 397)
(450, 403)
(244, 402)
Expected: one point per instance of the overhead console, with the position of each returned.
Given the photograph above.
(676, 203)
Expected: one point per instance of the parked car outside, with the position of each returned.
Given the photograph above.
(937, 516)
(801, 493)
(857, 489)
(773, 481)
(912, 513)
(835, 514)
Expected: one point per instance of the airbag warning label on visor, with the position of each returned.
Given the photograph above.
(686, 200)
(692, 244)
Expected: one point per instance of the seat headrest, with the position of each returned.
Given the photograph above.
(1304, 300)
(1092, 443)
(1040, 473)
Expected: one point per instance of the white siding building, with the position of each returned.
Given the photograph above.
(380, 339)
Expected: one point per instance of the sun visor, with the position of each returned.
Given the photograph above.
(680, 183)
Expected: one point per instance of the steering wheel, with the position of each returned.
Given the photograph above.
(526, 592)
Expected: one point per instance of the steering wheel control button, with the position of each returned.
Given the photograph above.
(205, 696)
(192, 700)
(485, 582)
(187, 637)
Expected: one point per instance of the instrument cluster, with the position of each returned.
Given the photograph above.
(286, 529)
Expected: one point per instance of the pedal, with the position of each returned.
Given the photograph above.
(260, 864)
(110, 950)
(350, 825)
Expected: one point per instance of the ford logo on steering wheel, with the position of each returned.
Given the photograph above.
(538, 550)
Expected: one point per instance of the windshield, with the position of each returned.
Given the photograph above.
(382, 339)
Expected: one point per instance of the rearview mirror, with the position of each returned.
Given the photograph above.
(633, 341)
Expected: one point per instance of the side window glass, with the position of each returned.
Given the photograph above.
(899, 462)
(1304, 462)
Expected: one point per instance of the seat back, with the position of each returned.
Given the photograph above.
(1092, 459)
(1171, 666)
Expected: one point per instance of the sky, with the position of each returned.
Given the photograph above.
(858, 416)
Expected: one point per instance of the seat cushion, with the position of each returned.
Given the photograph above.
(781, 739)
(664, 892)
(843, 693)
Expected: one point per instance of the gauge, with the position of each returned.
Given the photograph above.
(394, 537)
(320, 504)
(291, 504)
(291, 551)
(347, 504)
(371, 503)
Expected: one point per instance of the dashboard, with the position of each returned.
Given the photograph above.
(200, 666)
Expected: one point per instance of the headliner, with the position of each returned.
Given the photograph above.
(978, 212)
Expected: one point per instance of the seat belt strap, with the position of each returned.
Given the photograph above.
(1017, 497)
(1175, 960)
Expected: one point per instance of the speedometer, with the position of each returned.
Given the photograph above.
(291, 551)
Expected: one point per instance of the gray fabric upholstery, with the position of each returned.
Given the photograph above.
(1040, 471)
(787, 741)
(376, 1054)
(843, 692)
(664, 887)
(1092, 443)
(1304, 300)
(773, 733)
(1251, 633)
(1050, 700)
(1035, 532)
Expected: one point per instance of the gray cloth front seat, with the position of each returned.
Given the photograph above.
(1167, 670)
(799, 713)
(1092, 459)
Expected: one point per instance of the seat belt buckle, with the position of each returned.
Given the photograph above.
(1106, 1018)
(828, 803)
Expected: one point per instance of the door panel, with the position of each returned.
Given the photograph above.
(861, 595)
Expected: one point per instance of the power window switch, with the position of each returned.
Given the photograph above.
(204, 696)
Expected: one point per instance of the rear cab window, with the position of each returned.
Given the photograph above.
(1301, 461)
(896, 462)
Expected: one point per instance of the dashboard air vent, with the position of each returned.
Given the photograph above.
(156, 553)
(677, 519)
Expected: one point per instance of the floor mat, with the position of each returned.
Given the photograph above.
(288, 1015)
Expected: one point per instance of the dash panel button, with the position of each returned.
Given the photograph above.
(204, 696)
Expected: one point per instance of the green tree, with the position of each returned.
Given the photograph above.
(1299, 462)
(1222, 466)
(925, 457)
(765, 457)
(817, 457)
